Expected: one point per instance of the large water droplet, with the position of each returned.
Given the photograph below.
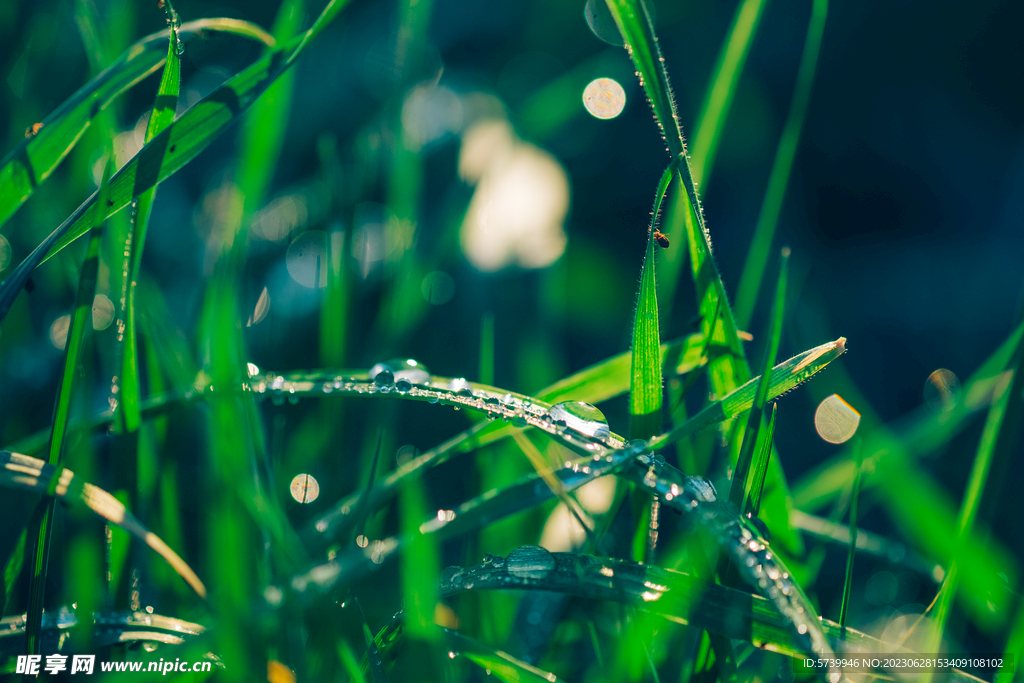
(461, 386)
(382, 375)
(582, 417)
(409, 370)
(530, 562)
(602, 23)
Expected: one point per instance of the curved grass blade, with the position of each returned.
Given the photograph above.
(169, 151)
(31, 474)
(744, 476)
(1000, 431)
(785, 377)
(693, 496)
(867, 543)
(32, 161)
(782, 166)
(726, 75)
(161, 116)
(12, 569)
(41, 526)
(645, 368)
(677, 596)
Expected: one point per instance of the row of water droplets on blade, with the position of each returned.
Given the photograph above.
(582, 428)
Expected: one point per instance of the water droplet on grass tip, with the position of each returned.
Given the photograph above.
(582, 417)
(599, 19)
(530, 562)
(836, 420)
(305, 488)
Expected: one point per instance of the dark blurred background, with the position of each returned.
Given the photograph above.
(904, 210)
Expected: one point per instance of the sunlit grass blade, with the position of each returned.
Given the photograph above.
(501, 665)
(744, 475)
(31, 474)
(169, 151)
(32, 161)
(161, 116)
(782, 166)
(785, 377)
(722, 88)
(1001, 428)
(645, 395)
(40, 528)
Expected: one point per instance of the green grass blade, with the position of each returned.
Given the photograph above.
(502, 665)
(752, 494)
(31, 474)
(32, 161)
(674, 595)
(785, 377)
(848, 582)
(161, 116)
(782, 166)
(12, 569)
(998, 434)
(41, 526)
(725, 77)
(645, 390)
(169, 151)
(742, 481)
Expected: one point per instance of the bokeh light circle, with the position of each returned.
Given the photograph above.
(604, 98)
(305, 488)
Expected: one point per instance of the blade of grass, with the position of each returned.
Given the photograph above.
(645, 390)
(782, 166)
(744, 476)
(502, 665)
(161, 116)
(42, 524)
(33, 160)
(12, 569)
(1003, 418)
(31, 474)
(752, 495)
(169, 151)
(722, 88)
(848, 582)
(785, 377)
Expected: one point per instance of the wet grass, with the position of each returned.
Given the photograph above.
(315, 540)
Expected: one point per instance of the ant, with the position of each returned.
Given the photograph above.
(661, 239)
(31, 131)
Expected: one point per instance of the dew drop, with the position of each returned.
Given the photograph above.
(530, 562)
(382, 375)
(582, 417)
(403, 385)
(408, 369)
